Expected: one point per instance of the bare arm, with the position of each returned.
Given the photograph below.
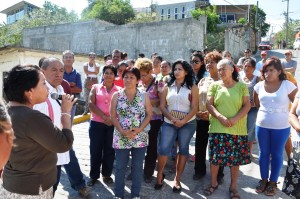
(293, 117)
(93, 108)
(163, 104)
(292, 95)
(256, 100)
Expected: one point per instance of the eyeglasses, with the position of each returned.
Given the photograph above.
(210, 62)
(195, 62)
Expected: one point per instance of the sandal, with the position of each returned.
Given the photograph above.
(107, 180)
(261, 187)
(271, 189)
(234, 194)
(209, 190)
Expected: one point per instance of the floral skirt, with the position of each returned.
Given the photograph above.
(229, 150)
(48, 194)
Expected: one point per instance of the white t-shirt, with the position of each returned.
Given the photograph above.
(258, 68)
(273, 111)
(91, 69)
(62, 158)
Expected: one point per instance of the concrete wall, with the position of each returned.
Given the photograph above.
(235, 42)
(171, 39)
(10, 57)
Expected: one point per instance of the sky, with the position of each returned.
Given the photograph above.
(273, 8)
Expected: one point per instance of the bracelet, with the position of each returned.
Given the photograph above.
(67, 114)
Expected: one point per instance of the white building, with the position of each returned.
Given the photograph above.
(177, 10)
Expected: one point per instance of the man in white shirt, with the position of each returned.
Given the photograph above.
(259, 65)
(53, 70)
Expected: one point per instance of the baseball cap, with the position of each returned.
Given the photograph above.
(264, 52)
(288, 52)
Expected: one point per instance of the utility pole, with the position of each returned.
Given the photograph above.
(287, 22)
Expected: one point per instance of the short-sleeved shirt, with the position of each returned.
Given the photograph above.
(73, 76)
(242, 59)
(273, 111)
(130, 115)
(228, 102)
(103, 100)
(290, 64)
(153, 95)
(203, 86)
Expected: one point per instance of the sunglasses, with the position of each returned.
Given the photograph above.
(195, 62)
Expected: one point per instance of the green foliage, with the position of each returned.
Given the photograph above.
(50, 14)
(280, 36)
(242, 21)
(261, 25)
(113, 11)
(142, 18)
(212, 17)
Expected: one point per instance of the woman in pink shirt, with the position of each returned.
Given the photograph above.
(101, 128)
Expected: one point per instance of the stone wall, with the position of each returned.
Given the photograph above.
(171, 39)
(236, 42)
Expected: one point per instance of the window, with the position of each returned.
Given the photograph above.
(227, 18)
(182, 13)
(176, 13)
(162, 15)
(169, 13)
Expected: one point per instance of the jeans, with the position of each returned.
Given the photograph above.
(251, 119)
(170, 132)
(150, 159)
(101, 151)
(73, 172)
(271, 142)
(122, 157)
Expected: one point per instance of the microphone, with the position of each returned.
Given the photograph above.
(56, 96)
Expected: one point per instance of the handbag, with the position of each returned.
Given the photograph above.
(90, 82)
(291, 184)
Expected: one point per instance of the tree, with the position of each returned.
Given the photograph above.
(113, 11)
(280, 36)
(212, 17)
(50, 14)
(261, 25)
(242, 21)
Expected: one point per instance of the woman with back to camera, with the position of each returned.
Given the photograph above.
(228, 104)
(130, 113)
(31, 168)
(272, 96)
(179, 104)
(101, 127)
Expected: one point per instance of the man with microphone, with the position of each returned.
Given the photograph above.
(53, 70)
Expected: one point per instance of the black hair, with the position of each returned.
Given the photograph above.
(106, 57)
(251, 61)
(274, 61)
(121, 63)
(132, 70)
(111, 67)
(141, 55)
(41, 61)
(124, 55)
(19, 80)
(159, 58)
(189, 78)
(202, 69)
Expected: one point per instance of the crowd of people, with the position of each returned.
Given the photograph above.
(147, 110)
